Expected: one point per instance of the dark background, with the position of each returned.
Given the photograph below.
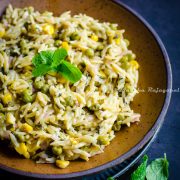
(164, 17)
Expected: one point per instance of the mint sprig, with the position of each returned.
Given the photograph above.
(157, 170)
(46, 61)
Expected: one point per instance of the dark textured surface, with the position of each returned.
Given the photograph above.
(164, 16)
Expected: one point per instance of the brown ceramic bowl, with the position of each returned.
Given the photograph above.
(155, 72)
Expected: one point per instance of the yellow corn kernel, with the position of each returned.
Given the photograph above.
(65, 45)
(73, 141)
(10, 119)
(134, 64)
(26, 128)
(117, 40)
(94, 37)
(7, 98)
(2, 31)
(22, 149)
(62, 163)
(48, 29)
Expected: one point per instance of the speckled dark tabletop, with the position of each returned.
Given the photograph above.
(164, 16)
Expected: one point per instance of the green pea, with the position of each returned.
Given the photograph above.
(1, 106)
(95, 107)
(45, 88)
(57, 43)
(128, 88)
(125, 65)
(20, 137)
(38, 84)
(103, 140)
(89, 52)
(100, 47)
(26, 97)
(69, 101)
(124, 59)
(2, 117)
(125, 62)
(57, 150)
(116, 126)
(120, 117)
(130, 57)
(74, 36)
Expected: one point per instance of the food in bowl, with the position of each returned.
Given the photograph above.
(50, 117)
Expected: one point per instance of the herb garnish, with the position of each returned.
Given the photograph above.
(158, 169)
(46, 61)
(140, 172)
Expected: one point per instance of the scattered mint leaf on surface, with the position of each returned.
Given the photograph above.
(158, 169)
(69, 71)
(140, 172)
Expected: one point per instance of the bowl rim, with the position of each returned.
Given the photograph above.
(155, 129)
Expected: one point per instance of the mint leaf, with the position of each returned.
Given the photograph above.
(110, 178)
(41, 70)
(58, 56)
(69, 71)
(140, 172)
(47, 57)
(158, 169)
(44, 57)
(46, 61)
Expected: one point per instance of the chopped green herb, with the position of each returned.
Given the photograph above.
(46, 61)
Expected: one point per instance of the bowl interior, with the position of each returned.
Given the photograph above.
(152, 74)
